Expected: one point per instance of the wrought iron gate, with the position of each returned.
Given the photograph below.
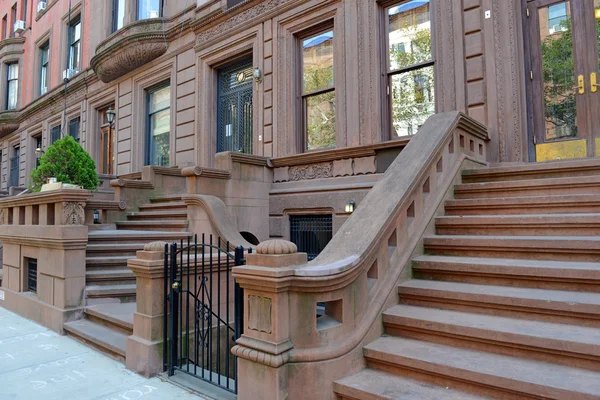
(203, 310)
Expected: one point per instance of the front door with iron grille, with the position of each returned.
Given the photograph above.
(234, 127)
(14, 167)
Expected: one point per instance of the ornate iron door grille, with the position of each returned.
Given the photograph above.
(234, 130)
(203, 310)
(311, 233)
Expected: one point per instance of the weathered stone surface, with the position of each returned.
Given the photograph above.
(276, 246)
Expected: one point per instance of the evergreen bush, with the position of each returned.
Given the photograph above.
(68, 162)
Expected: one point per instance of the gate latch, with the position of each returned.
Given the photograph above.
(175, 285)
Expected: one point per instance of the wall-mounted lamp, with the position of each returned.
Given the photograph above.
(110, 116)
(350, 206)
(257, 75)
(39, 153)
(96, 216)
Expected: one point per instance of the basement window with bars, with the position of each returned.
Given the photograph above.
(32, 275)
(311, 233)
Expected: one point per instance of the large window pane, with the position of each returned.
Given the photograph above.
(159, 125)
(317, 61)
(118, 14)
(409, 34)
(412, 100)
(160, 99)
(44, 50)
(320, 121)
(148, 9)
(558, 73)
(12, 86)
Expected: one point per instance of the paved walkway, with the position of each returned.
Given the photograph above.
(36, 363)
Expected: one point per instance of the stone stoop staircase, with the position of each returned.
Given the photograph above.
(505, 302)
(110, 284)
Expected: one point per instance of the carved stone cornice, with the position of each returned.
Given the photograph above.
(9, 122)
(11, 46)
(214, 173)
(53, 196)
(129, 48)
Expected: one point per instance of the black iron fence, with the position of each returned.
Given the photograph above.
(204, 310)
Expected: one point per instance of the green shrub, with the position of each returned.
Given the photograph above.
(68, 162)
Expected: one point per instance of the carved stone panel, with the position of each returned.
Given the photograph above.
(364, 165)
(313, 171)
(342, 167)
(259, 314)
(73, 213)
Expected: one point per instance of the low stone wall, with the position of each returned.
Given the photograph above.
(46, 231)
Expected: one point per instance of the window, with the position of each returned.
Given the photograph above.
(44, 61)
(12, 86)
(311, 233)
(410, 72)
(24, 10)
(74, 128)
(55, 134)
(15, 162)
(159, 126)
(149, 9)
(557, 18)
(118, 15)
(74, 44)
(106, 143)
(38, 145)
(318, 92)
(13, 16)
(4, 26)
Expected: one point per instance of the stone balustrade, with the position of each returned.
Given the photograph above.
(45, 238)
(356, 275)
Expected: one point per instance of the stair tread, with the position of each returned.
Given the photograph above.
(522, 218)
(534, 168)
(566, 299)
(110, 289)
(111, 272)
(104, 336)
(119, 313)
(535, 242)
(109, 258)
(157, 213)
(159, 222)
(530, 183)
(389, 386)
(162, 204)
(536, 331)
(554, 198)
(546, 268)
(506, 372)
(134, 233)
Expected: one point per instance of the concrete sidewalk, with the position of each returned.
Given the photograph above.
(36, 363)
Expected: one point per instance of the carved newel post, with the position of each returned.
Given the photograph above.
(145, 347)
(263, 349)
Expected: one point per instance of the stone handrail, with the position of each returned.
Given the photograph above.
(56, 207)
(357, 272)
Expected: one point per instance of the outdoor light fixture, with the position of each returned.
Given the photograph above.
(39, 153)
(96, 216)
(350, 206)
(257, 75)
(110, 115)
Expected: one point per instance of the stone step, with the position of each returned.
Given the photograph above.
(100, 261)
(558, 169)
(567, 248)
(176, 226)
(121, 292)
(543, 274)
(113, 249)
(544, 341)
(134, 236)
(496, 375)
(164, 206)
(117, 316)
(157, 215)
(166, 198)
(561, 204)
(579, 308)
(375, 384)
(98, 336)
(109, 277)
(529, 187)
(521, 225)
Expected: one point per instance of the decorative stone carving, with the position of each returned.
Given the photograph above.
(259, 314)
(276, 246)
(313, 171)
(281, 174)
(9, 122)
(2, 216)
(364, 165)
(155, 246)
(73, 213)
(342, 167)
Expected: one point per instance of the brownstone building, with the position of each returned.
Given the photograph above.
(360, 130)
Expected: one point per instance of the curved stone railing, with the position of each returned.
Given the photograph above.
(357, 273)
(129, 48)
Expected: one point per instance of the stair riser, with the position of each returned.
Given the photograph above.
(486, 193)
(114, 253)
(123, 298)
(515, 253)
(154, 228)
(159, 200)
(132, 240)
(110, 281)
(162, 207)
(105, 268)
(518, 230)
(554, 283)
(495, 342)
(517, 176)
(157, 218)
(109, 324)
(97, 346)
(457, 380)
(508, 210)
(503, 310)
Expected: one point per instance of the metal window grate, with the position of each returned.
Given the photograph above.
(311, 233)
(32, 274)
(235, 109)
